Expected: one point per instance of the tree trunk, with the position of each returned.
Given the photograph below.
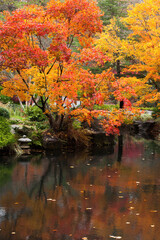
(118, 66)
(51, 120)
(57, 123)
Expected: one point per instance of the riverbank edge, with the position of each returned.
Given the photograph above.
(97, 140)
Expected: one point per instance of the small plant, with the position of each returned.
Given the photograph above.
(156, 113)
(35, 114)
(14, 121)
(4, 99)
(143, 117)
(41, 125)
(15, 111)
(36, 137)
(76, 124)
(4, 113)
(108, 107)
(6, 137)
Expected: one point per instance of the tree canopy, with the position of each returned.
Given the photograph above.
(49, 51)
(140, 49)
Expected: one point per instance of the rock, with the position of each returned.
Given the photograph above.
(144, 128)
(16, 128)
(51, 143)
(100, 139)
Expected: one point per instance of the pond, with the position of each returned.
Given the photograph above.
(111, 195)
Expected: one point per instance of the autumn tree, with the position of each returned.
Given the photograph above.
(113, 11)
(140, 49)
(142, 46)
(36, 47)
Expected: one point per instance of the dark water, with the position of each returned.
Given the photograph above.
(76, 196)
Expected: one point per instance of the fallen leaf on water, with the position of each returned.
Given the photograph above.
(88, 208)
(50, 199)
(154, 211)
(115, 237)
(121, 197)
(131, 208)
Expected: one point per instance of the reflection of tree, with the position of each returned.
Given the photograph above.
(41, 191)
(120, 148)
(55, 175)
(5, 173)
(92, 194)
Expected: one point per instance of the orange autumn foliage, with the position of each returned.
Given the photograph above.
(140, 48)
(38, 46)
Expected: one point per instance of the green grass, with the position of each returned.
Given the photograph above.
(108, 107)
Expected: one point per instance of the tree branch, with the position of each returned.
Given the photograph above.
(51, 67)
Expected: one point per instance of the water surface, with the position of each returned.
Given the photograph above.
(114, 195)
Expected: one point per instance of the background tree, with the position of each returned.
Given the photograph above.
(142, 46)
(112, 9)
(140, 49)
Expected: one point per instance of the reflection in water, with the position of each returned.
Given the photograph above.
(78, 196)
(120, 148)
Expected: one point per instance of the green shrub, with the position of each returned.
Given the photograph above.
(4, 113)
(76, 124)
(36, 138)
(35, 114)
(4, 99)
(108, 107)
(6, 137)
(41, 125)
(156, 112)
(14, 121)
(143, 117)
(15, 111)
